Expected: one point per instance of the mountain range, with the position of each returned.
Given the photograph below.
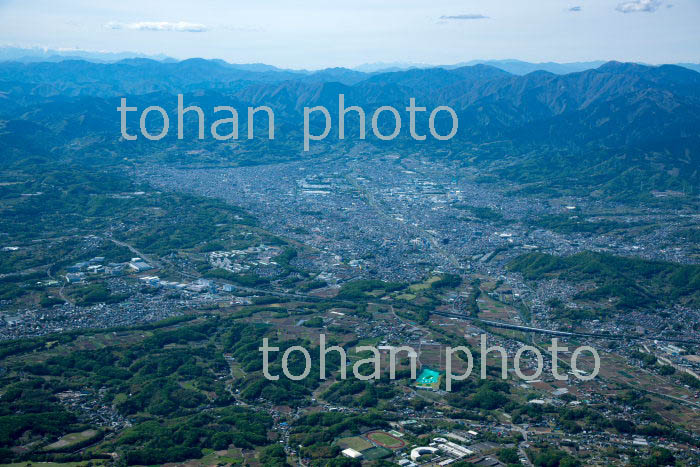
(516, 67)
(617, 124)
(44, 54)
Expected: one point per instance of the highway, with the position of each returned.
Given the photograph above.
(501, 324)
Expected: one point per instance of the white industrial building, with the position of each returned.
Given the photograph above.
(351, 453)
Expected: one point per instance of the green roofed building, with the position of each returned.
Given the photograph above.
(428, 379)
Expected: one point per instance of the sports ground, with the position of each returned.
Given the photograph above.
(385, 440)
(428, 378)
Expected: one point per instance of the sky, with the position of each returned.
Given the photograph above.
(317, 34)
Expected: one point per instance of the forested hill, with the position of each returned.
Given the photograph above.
(628, 283)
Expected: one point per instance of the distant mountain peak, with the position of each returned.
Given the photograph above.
(614, 66)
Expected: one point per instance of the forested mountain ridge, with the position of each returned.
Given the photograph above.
(621, 115)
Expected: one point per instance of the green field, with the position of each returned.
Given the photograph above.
(424, 285)
(71, 439)
(376, 453)
(385, 439)
(357, 443)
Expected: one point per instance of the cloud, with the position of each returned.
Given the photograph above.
(575, 8)
(636, 6)
(464, 17)
(180, 26)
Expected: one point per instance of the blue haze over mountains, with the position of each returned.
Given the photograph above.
(516, 67)
(615, 122)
